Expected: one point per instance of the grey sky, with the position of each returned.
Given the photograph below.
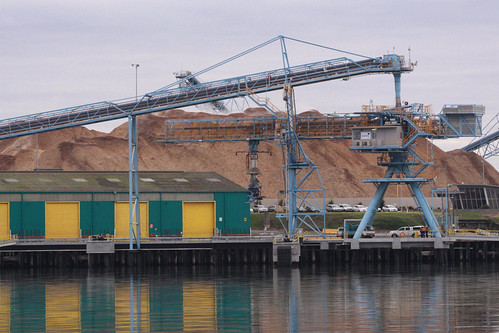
(57, 54)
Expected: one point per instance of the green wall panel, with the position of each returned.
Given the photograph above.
(97, 217)
(220, 213)
(33, 218)
(86, 219)
(155, 218)
(233, 208)
(171, 217)
(15, 212)
(237, 213)
(103, 217)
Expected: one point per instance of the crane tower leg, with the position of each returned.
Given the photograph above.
(291, 166)
(133, 182)
(425, 208)
(398, 165)
(372, 209)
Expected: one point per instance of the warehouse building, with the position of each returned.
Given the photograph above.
(65, 205)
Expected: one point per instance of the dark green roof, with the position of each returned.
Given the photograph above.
(110, 181)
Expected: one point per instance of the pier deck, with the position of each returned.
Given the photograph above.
(255, 250)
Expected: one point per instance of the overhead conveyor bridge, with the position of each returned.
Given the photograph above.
(414, 120)
(488, 145)
(170, 98)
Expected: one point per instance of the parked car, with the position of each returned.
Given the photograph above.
(346, 208)
(359, 208)
(302, 209)
(333, 208)
(311, 209)
(272, 208)
(251, 210)
(367, 233)
(390, 208)
(405, 231)
(260, 209)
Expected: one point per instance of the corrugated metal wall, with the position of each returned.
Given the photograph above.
(97, 216)
(233, 215)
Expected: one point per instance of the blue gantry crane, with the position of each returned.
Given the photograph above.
(398, 130)
(287, 129)
(177, 95)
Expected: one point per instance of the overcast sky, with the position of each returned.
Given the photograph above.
(57, 54)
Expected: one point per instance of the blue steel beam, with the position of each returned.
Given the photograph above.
(133, 183)
(482, 142)
(161, 100)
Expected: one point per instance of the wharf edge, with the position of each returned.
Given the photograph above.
(231, 251)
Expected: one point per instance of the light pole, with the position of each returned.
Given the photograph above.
(136, 67)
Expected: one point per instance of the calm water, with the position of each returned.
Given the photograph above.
(377, 299)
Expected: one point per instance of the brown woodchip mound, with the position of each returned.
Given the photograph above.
(341, 170)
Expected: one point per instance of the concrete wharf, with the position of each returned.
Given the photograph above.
(248, 250)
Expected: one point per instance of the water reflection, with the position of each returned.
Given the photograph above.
(377, 299)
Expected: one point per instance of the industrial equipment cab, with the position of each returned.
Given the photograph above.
(351, 228)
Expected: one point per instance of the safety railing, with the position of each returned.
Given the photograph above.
(473, 232)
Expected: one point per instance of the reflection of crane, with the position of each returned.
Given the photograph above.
(488, 145)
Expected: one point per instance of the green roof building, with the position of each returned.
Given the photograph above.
(65, 205)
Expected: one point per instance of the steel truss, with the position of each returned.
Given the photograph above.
(297, 192)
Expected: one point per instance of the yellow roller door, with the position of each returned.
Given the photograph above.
(62, 307)
(198, 218)
(62, 220)
(122, 219)
(200, 312)
(4, 220)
